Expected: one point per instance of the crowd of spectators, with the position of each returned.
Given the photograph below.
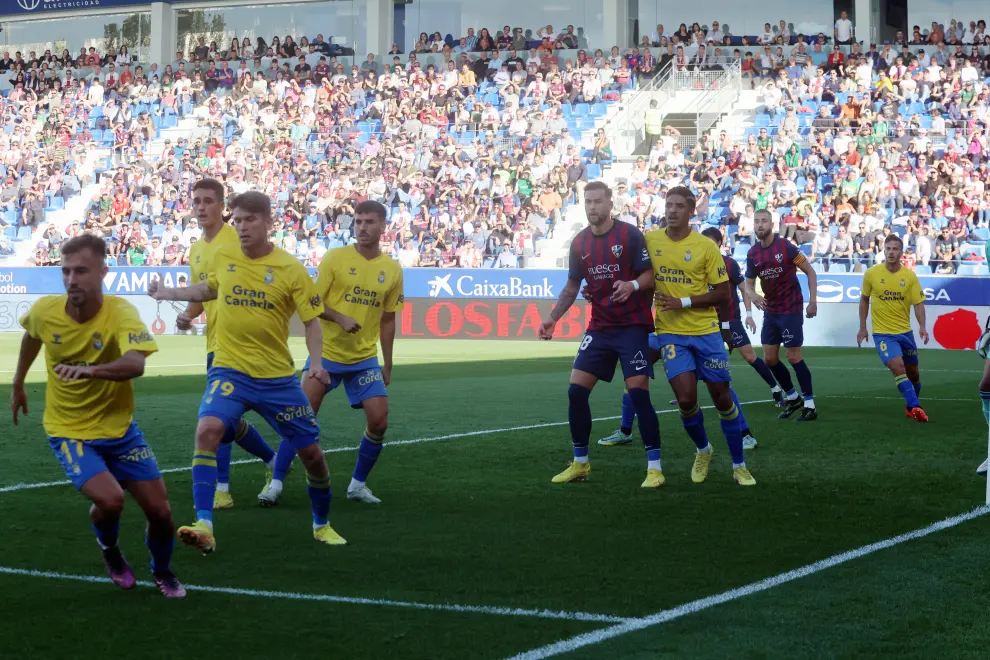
(844, 154)
(477, 151)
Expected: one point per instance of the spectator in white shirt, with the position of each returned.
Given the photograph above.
(591, 90)
(844, 30)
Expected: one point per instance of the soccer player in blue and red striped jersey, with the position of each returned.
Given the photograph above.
(776, 262)
(612, 257)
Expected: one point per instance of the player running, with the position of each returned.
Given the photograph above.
(691, 281)
(94, 346)
(776, 262)
(612, 257)
(365, 285)
(892, 289)
(258, 287)
(208, 195)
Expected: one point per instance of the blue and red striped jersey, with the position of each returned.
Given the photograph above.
(730, 311)
(776, 266)
(617, 255)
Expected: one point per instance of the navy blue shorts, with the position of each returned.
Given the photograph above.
(601, 349)
(786, 329)
(740, 337)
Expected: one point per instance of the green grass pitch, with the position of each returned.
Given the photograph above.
(471, 522)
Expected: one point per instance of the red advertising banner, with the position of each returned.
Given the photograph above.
(488, 319)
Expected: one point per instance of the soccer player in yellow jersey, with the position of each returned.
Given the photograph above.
(258, 287)
(94, 346)
(892, 289)
(691, 281)
(208, 196)
(362, 289)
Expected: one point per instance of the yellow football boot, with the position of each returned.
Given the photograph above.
(326, 535)
(199, 535)
(743, 477)
(222, 500)
(654, 479)
(574, 472)
(702, 461)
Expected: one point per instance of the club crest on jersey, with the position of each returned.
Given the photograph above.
(617, 251)
(381, 277)
(779, 257)
(97, 341)
(269, 276)
(902, 283)
(687, 255)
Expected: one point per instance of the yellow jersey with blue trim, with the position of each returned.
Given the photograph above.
(891, 296)
(362, 289)
(202, 255)
(688, 267)
(87, 409)
(256, 299)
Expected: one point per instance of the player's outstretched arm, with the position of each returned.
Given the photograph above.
(864, 310)
(198, 293)
(30, 347)
(919, 313)
(568, 294)
(806, 268)
(127, 366)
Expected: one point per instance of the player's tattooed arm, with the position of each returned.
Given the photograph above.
(198, 293)
(30, 347)
(568, 294)
(185, 318)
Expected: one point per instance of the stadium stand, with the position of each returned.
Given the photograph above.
(481, 145)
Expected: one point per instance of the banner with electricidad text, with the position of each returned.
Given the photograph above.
(487, 284)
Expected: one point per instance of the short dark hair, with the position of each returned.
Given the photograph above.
(599, 185)
(90, 242)
(371, 206)
(252, 201)
(713, 234)
(891, 238)
(210, 184)
(685, 192)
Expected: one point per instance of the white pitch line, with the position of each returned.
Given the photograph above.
(392, 443)
(665, 616)
(347, 600)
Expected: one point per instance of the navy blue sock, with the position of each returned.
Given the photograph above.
(319, 498)
(224, 452)
(108, 536)
(783, 376)
(628, 414)
(733, 433)
(579, 419)
(161, 553)
(649, 424)
(694, 424)
(906, 389)
(251, 441)
(283, 460)
(204, 487)
(803, 374)
(743, 424)
(765, 373)
(368, 453)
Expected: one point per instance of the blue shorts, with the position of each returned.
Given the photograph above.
(705, 355)
(362, 380)
(281, 401)
(786, 329)
(740, 337)
(128, 458)
(601, 349)
(892, 346)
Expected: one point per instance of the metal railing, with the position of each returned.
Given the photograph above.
(717, 81)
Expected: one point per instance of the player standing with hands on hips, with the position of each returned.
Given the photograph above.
(612, 257)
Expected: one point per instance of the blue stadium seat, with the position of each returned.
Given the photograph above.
(594, 171)
(922, 269)
(23, 233)
(973, 269)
